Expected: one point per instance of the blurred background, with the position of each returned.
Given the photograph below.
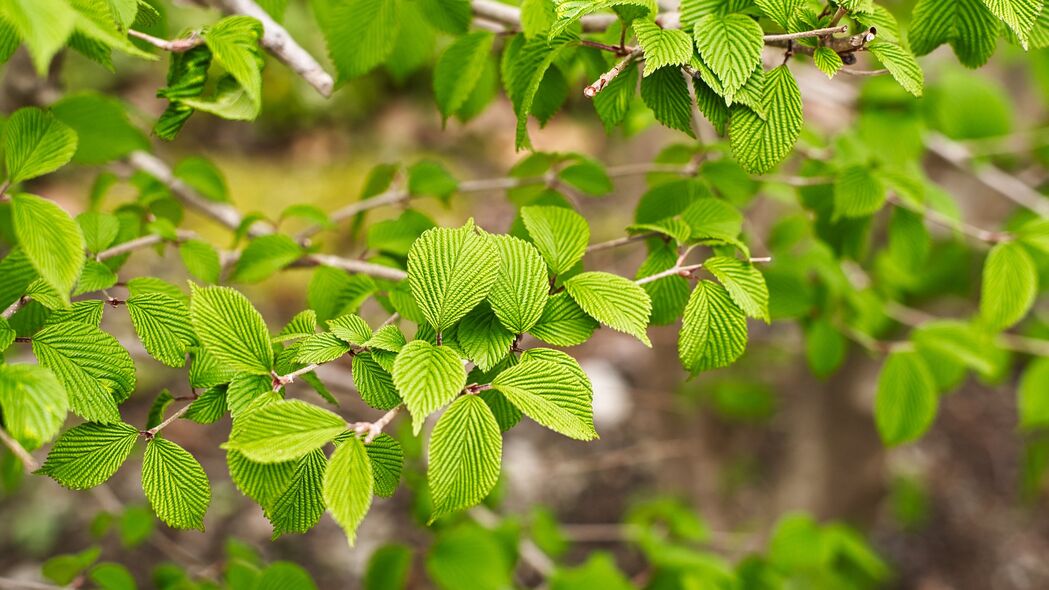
(740, 448)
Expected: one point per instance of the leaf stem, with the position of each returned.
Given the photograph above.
(152, 432)
(620, 242)
(372, 430)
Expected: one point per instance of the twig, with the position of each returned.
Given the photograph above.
(149, 434)
(174, 46)
(510, 16)
(351, 265)
(803, 34)
(281, 45)
(139, 243)
(14, 307)
(620, 242)
(19, 451)
(934, 216)
(281, 380)
(850, 72)
(13, 584)
(372, 430)
(687, 270)
(606, 78)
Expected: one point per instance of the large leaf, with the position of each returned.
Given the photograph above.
(283, 430)
(231, 329)
(34, 403)
(465, 453)
(745, 284)
(175, 485)
(552, 395)
(901, 64)
(1010, 285)
(35, 143)
(731, 45)
(968, 25)
(758, 143)
(520, 289)
(662, 47)
(360, 33)
(387, 459)
(1019, 15)
(428, 377)
(616, 302)
(665, 92)
(51, 239)
(906, 401)
(95, 369)
(234, 43)
(44, 25)
(89, 454)
(162, 323)
(450, 272)
(713, 329)
(348, 485)
(374, 382)
(300, 505)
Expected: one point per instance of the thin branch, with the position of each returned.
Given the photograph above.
(934, 216)
(174, 46)
(803, 34)
(281, 45)
(620, 242)
(19, 451)
(372, 430)
(13, 584)
(281, 380)
(1015, 342)
(351, 265)
(149, 434)
(510, 16)
(606, 78)
(851, 72)
(687, 270)
(14, 307)
(140, 243)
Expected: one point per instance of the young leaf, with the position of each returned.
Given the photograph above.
(662, 47)
(713, 329)
(360, 33)
(745, 284)
(89, 454)
(201, 260)
(552, 395)
(264, 256)
(1033, 395)
(44, 25)
(560, 235)
(459, 69)
(428, 377)
(520, 289)
(901, 64)
(348, 485)
(827, 60)
(731, 45)
(387, 459)
(34, 403)
(320, 348)
(162, 323)
(906, 401)
(450, 272)
(968, 25)
(234, 43)
(563, 322)
(1010, 285)
(50, 239)
(665, 91)
(300, 505)
(231, 329)
(483, 338)
(99, 229)
(759, 144)
(464, 456)
(351, 328)
(283, 430)
(175, 485)
(209, 407)
(36, 143)
(857, 192)
(374, 382)
(614, 301)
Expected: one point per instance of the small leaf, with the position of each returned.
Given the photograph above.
(283, 430)
(162, 323)
(520, 289)
(614, 301)
(232, 330)
(483, 338)
(560, 235)
(264, 256)
(89, 454)
(464, 456)
(387, 459)
(552, 395)
(713, 329)
(320, 348)
(428, 377)
(300, 505)
(662, 47)
(459, 69)
(745, 284)
(563, 322)
(906, 402)
(374, 382)
(351, 328)
(36, 143)
(175, 485)
(34, 403)
(827, 60)
(50, 239)
(234, 43)
(1009, 287)
(348, 485)
(44, 25)
(901, 64)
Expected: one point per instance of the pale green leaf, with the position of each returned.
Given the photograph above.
(351, 328)
(428, 377)
(483, 338)
(320, 348)
(283, 430)
(1019, 15)
(175, 485)
(34, 403)
(520, 289)
(300, 505)
(234, 44)
(745, 284)
(464, 456)
(713, 329)
(450, 272)
(901, 64)
(162, 323)
(44, 25)
(616, 302)
(209, 407)
(827, 60)
(387, 459)
(759, 144)
(99, 229)
(906, 402)
(89, 454)
(1009, 286)
(360, 33)
(459, 69)
(857, 192)
(231, 329)
(563, 322)
(662, 47)
(264, 256)
(552, 394)
(94, 276)
(559, 234)
(50, 239)
(1033, 395)
(731, 45)
(374, 382)
(348, 485)
(262, 482)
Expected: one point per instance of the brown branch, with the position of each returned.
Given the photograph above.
(371, 430)
(351, 265)
(804, 34)
(687, 270)
(139, 243)
(606, 78)
(174, 45)
(620, 242)
(934, 216)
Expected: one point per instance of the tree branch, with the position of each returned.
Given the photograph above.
(934, 216)
(149, 434)
(348, 264)
(174, 46)
(620, 242)
(372, 430)
(687, 270)
(139, 243)
(803, 34)
(606, 78)
(19, 451)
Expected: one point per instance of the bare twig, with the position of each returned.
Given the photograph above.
(174, 45)
(606, 78)
(371, 430)
(14, 307)
(687, 270)
(803, 34)
(139, 243)
(934, 216)
(13, 584)
(851, 72)
(281, 380)
(351, 265)
(19, 451)
(149, 434)
(620, 242)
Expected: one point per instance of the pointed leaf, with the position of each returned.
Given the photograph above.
(89, 454)
(34, 404)
(162, 323)
(428, 377)
(552, 395)
(175, 485)
(284, 430)
(50, 239)
(348, 485)
(906, 402)
(519, 292)
(713, 329)
(745, 284)
(759, 144)
(560, 235)
(616, 302)
(231, 329)
(464, 456)
(1010, 285)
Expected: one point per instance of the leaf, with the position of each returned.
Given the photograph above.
(303, 324)
(464, 456)
(563, 322)
(387, 458)
(234, 43)
(301, 505)
(901, 64)
(36, 143)
(34, 404)
(459, 69)
(713, 329)
(470, 548)
(99, 229)
(1009, 286)
(569, 11)
(905, 405)
(759, 144)
(731, 45)
(967, 24)
(351, 328)
(713, 218)
(102, 128)
(520, 289)
(95, 369)
(94, 277)
(662, 47)
(668, 294)
(1033, 395)
(559, 234)
(232, 330)
(428, 377)
(526, 64)
(360, 33)
(1018, 15)
(616, 302)
(613, 103)
(827, 60)
(89, 454)
(665, 91)
(283, 430)
(374, 382)
(50, 239)
(44, 25)
(264, 256)
(857, 192)
(348, 485)
(552, 395)
(745, 284)
(587, 176)
(209, 407)
(450, 272)
(483, 338)
(162, 323)
(262, 482)
(201, 260)
(175, 485)
(321, 348)
(63, 569)
(779, 11)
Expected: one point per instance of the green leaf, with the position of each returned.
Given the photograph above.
(713, 218)
(616, 302)
(303, 324)
(264, 256)
(613, 103)
(668, 294)
(430, 178)
(351, 328)
(95, 369)
(563, 322)
(525, 66)
(89, 454)
(450, 272)
(519, 292)
(63, 569)
(374, 382)
(300, 506)
(857, 192)
(464, 456)
(1018, 15)
(50, 239)
(99, 229)
(201, 260)
(36, 143)
(348, 485)
(94, 277)
(662, 47)
(450, 16)
(102, 128)
(713, 329)
(483, 338)
(745, 284)
(428, 377)
(825, 347)
(1009, 287)
(175, 485)
(162, 323)
(967, 24)
(44, 25)
(459, 69)
(569, 11)
(209, 407)
(1033, 395)
(360, 33)
(827, 60)
(731, 45)
(599, 571)
(262, 482)
(587, 176)
(759, 144)
(283, 430)
(905, 405)
(231, 329)
(901, 64)
(321, 348)
(665, 91)
(34, 404)
(779, 11)
(234, 43)
(387, 458)
(552, 395)
(560, 235)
